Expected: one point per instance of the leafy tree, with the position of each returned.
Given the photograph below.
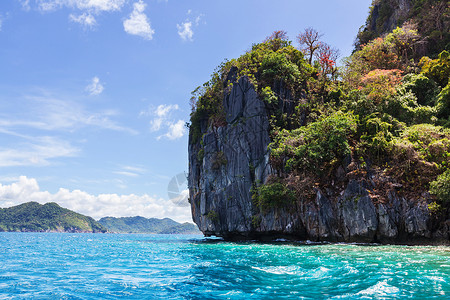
(327, 57)
(404, 40)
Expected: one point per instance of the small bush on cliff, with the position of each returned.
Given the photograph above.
(273, 195)
(314, 148)
(441, 187)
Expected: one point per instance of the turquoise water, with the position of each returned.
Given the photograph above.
(106, 266)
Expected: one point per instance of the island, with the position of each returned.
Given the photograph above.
(147, 225)
(49, 217)
(285, 144)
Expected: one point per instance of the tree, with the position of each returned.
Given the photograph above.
(403, 40)
(309, 41)
(277, 35)
(327, 57)
(278, 39)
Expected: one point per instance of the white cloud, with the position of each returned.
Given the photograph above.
(97, 206)
(138, 23)
(185, 31)
(135, 169)
(163, 110)
(126, 173)
(91, 5)
(161, 115)
(186, 28)
(38, 151)
(25, 4)
(162, 121)
(85, 19)
(98, 5)
(130, 171)
(176, 130)
(86, 9)
(95, 87)
(50, 113)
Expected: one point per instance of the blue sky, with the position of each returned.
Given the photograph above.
(94, 94)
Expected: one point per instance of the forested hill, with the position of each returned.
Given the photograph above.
(144, 225)
(50, 217)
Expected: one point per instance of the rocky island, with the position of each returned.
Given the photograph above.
(283, 144)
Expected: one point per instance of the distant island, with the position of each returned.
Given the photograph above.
(50, 217)
(144, 225)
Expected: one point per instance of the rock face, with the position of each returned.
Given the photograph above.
(393, 13)
(231, 159)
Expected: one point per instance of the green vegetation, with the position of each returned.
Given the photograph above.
(273, 195)
(35, 217)
(315, 147)
(144, 225)
(266, 65)
(212, 216)
(431, 17)
(441, 187)
(385, 112)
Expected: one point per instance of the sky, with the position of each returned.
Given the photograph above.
(94, 94)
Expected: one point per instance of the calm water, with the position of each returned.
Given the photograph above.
(93, 266)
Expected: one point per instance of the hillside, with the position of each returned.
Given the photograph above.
(144, 225)
(430, 17)
(284, 143)
(50, 217)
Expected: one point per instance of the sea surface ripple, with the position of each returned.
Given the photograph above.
(111, 266)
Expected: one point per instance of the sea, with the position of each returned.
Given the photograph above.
(134, 266)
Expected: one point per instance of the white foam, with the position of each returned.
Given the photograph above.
(381, 288)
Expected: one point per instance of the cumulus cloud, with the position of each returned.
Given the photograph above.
(138, 23)
(186, 28)
(161, 115)
(85, 19)
(162, 120)
(86, 9)
(95, 87)
(97, 206)
(185, 31)
(176, 130)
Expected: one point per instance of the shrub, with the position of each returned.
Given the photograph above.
(437, 69)
(213, 216)
(441, 187)
(273, 195)
(434, 208)
(317, 146)
(443, 103)
(379, 85)
(422, 87)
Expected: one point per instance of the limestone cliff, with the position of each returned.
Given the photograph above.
(231, 159)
